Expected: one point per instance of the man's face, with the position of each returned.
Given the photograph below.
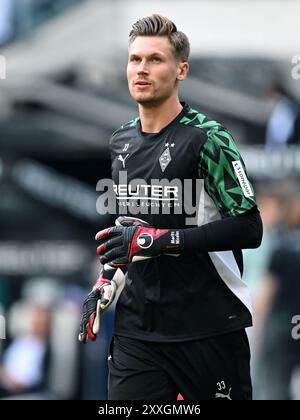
(152, 70)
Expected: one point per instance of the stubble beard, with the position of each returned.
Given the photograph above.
(150, 101)
(154, 99)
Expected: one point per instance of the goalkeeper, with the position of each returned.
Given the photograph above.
(181, 317)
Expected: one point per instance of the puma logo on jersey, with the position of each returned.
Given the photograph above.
(121, 159)
(223, 396)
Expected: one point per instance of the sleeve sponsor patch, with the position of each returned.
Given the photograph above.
(242, 178)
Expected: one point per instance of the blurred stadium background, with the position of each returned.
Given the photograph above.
(62, 92)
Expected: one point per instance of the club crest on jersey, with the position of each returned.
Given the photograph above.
(144, 240)
(165, 159)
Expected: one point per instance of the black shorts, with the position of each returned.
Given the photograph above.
(211, 368)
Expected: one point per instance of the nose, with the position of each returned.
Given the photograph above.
(142, 68)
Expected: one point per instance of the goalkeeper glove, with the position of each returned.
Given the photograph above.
(103, 292)
(122, 245)
(97, 301)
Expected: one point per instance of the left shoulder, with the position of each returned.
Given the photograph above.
(194, 118)
(206, 127)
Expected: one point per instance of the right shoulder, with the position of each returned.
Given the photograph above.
(127, 126)
(126, 130)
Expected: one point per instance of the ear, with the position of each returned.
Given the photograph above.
(182, 71)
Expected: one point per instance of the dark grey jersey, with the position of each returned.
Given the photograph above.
(188, 174)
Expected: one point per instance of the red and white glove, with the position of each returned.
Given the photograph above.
(96, 303)
(103, 292)
(122, 245)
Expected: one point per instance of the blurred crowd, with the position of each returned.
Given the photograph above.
(272, 272)
(41, 357)
(283, 127)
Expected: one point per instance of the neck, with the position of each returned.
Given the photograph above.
(153, 119)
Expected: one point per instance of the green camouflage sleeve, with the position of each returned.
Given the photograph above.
(224, 174)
